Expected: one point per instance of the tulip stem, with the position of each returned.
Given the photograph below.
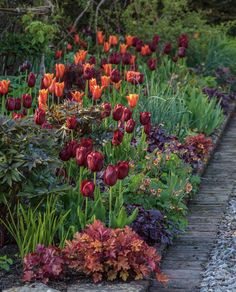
(86, 211)
(110, 205)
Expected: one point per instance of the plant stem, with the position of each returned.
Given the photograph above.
(110, 205)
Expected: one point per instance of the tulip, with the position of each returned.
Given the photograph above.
(115, 58)
(87, 143)
(59, 89)
(117, 137)
(92, 83)
(103, 61)
(126, 59)
(60, 70)
(51, 88)
(31, 79)
(152, 64)
(58, 54)
(72, 147)
(181, 52)
(10, 104)
(156, 39)
(110, 175)
(106, 47)
(113, 40)
(122, 169)
(145, 50)
(133, 59)
(46, 125)
(17, 104)
(25, 66)
(132, 99)
(100, 37)
(167, 49)
(95, 161)
(17, 116)
(130, 126)
(69, 47)
(76, 38)
(145, 118)
(105, 81)
(65, 154)
(152, 46)
(4, 86)
(134, 77)
(129, 40)
(97, 92)
(92, 60)
(127, 114)
(42, 99)
(135, 40)
(81, 155)
(118, 112)
(123, 48)
(115, 76)
(27, 100)
(147, 128)
(87, 188)
(139, 45)
(47, 80)
(106, 110)
(39, 116)
(71, 123)
(77, 96)
(183, 41)
(80, 56)
(107, 69)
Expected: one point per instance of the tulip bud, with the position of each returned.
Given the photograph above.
(17, 104)
(110, 175)
(10, 104)
(31, 79)
(118, 112)
(95, 161)
(145, 118)
(81, 155)
(130, 126)
(117, 137)
(39, 116)
(71, 123)
(122, 169)
(87, 188)
(27, 100)
(127, 114)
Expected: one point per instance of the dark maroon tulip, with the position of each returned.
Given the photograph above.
(115, 75)
(87, 143)
(104, 61)
(152, 64)
(183, 41)
(117, 137)
(110, 175)
(126, 58)
(127, 114)
(156, 39)
(106, 106)
(89, 73)
(134, 42)
(147, 129)
(95, 161)
(10, 104)
(152, 46)
(81, 155)
(17, 104)
(46, 125)
(39, 116)
(130, 126)
(139, 45)
(71, 123)
(145, 118)
(92, 60)
(87, 188)
(182, 52)
(31, 79)
(72, 147)
(65, 154)
(167, 49)
(122, 169)
(27, 100)
(118, 112)
(115, 58)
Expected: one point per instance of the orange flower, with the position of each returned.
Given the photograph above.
(132, 99)
(123, 48)
(106, 47)
(96, 91)
(92, 82)
(47, 79)
(105, 81)
(133, 76)
(42, 99)
(129, 40)
(59, 89)
(76, 38)
(100, 37)
(77, 96)
(107, 69)
(80, 56)
(117, 85)
(113, 40)
(4, 86)
(87, 66)
(133, 60)
(145, 50)
(51, 88)
(60, 70)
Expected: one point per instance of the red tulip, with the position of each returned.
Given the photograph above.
(147, 129)
(10, 104)
(17, 104)
(81, 155)
(152, 64)
(87, 188)
(72, 147)
(122, 169)
(127, 114)
(181, 52)
(95, 161)
(117, 137)
(39, 116)
(183, 41)
(167, 48)
(87, 143)
(115, 76)
(65, 154)
(27, 100)
(106, 106)
(118, 112)
(31, 79)
(130, 126)
(145, 118)
(110, 175)
(46, 125)
(71, 123)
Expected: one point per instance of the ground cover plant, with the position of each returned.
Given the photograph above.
(100, 153)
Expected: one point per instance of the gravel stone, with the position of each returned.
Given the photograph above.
(36, 287)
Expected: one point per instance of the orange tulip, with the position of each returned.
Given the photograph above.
(105, 81)
(129, 40)
(107, 69)
(42, 99)
(97, 92)
(76, 39)
(133, 60)
(77, 96)
(132, 75)
(100, 37)
(80, 56)
(145, 50)
(113, 40)
(51, 88)
(106, 47)
(117, 85)
(132, 99)
(123, 48)
(4, 86)
(59, 89)
(92, 82)
(87, 66)
(47, 79)
(60, 70)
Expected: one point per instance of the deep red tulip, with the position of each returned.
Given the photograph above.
(152, 46)
(71, 123)
(17, 104)
(27, 100)
(10, 104)
(182, 52)
(130, 126)
(65, 154)
(106, 110)
(110, 175)
(95, 161)
(118, 112)
(87, 143)
(152, 64)
(183, 41)
(87, 188)
(167, 49)
(117, 137)
(115, 58)
(39, 116)
(31, 79)
(127, 114)
(145, 118)
(155, 39)
(126, 58)
(81, 155)
(122, 169)
(147, 129)
(92, 60)
(72, 147)
(46, 125)
(115, 76)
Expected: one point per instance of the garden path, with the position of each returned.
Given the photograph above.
(184, 262)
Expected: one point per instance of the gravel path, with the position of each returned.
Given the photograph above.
(220, 273)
